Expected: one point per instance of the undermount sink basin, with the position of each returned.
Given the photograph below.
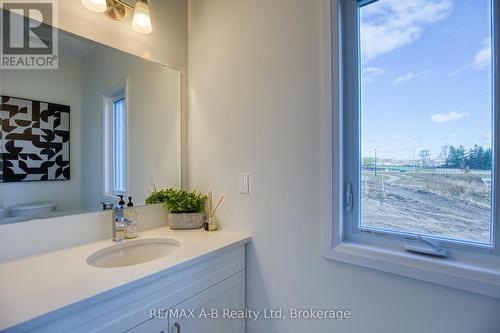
(133, 252)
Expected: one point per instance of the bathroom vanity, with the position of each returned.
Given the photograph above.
(186, 290)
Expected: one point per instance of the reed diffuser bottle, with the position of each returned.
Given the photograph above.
(210, 224)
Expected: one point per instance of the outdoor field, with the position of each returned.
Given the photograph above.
(455, 205)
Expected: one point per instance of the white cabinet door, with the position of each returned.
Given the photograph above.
(151, 326)
(228, 294)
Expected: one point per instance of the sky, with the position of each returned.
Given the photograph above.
(426, 76)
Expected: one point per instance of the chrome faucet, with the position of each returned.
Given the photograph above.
(119, 223)
(106, 205)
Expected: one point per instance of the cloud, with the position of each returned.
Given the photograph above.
(410, 76)
(371, 73)
(445, 117)
(482, 58)
(389, 24)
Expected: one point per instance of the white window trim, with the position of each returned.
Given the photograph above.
(108, 98)
(473, 272)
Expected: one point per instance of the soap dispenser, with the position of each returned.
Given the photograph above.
(130, 215)
(121, 202)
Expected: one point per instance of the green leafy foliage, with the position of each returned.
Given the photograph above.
(476, 158)
(179, 201)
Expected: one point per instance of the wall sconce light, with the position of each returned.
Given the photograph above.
(116, 10)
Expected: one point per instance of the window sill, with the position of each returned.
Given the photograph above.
(447, 272)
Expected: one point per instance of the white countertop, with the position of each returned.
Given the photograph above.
(33, 286)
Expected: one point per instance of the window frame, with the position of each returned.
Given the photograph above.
(471, 268)
(117, 152)
(109, 99)
(352, 121)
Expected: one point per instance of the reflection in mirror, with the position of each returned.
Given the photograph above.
(105, 123)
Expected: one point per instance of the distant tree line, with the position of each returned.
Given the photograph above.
(477, 158)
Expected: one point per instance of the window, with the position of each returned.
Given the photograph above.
(115, 144)
(119, 147)
(423, 124)
(411, 123)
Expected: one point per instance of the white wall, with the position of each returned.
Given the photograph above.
(167, 44)
(65, 88)
(255, 91)
(153, 115)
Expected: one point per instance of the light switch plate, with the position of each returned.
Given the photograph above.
(244, 183)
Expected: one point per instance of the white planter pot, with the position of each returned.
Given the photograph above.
(185, 221)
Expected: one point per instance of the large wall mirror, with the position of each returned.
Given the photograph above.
(104, 123)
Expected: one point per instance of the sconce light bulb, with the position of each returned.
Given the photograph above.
(98, 6)
(141, 21)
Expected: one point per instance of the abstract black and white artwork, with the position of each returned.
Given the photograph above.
(34, 140)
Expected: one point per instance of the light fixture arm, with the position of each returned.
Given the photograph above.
(129, 6)
(126, 4)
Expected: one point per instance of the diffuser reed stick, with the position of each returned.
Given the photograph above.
(154, 189)
(210, 224)
(216, 207)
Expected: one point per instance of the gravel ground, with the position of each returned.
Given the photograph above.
(455, 206)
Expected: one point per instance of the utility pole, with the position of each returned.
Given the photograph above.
(375, 162)
(413, 161)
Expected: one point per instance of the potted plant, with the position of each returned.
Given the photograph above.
(185, 208)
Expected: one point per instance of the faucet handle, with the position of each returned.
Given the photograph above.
(106, 205)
